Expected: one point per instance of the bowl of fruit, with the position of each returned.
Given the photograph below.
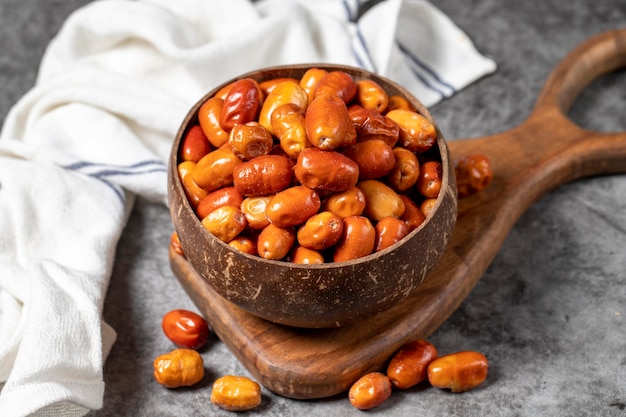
(312, 196)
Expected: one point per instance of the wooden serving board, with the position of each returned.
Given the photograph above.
(528, 161)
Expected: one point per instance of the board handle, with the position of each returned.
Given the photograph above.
(592, 59)
(583, 152)
(545, 151)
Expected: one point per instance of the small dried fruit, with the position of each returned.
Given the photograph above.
(369, 124)
(430, 178)
(461, 371)
(275, 242)
(185, 328)
(389, 230)
(409, 366)
(371, 95)
(398, 102)
(262, 175)
(254, 208)
(267, 86)
(326, 170)
(250, 140)
(226, 196)
(405, 171)
(236, 393)
(350, 202)
(225, 222)
(215, 169)
(284, 93)
(374, 157)
(175, 244)
(327, 122)
(306, 256)
(244, 244)
(293, 206)
(241, 104)
(380, 200)
(473, 174)
(417, 133)
(320, 231)
(370, 391)
(357, 239)
(413, 215)
(337, 83)
(195, 194)
(194, 145)
(310, 79)
(179, 368)
(428, 206)
(288, 124)
(209, 120)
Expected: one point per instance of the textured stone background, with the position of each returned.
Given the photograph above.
(550, 312)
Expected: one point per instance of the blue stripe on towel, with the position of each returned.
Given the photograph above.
(101, 171)
(115, 172)
(109, 170)
(351, 16)
(428, 85)
(360, 41)
(423, 71)
(116, 189)
(77, 166)
(360, 50)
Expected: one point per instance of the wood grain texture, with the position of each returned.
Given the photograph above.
(528, 161)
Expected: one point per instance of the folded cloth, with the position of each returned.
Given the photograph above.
(95, 132)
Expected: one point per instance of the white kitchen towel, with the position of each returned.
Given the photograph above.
(95, 132)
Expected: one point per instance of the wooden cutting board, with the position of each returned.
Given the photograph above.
(528, 161)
